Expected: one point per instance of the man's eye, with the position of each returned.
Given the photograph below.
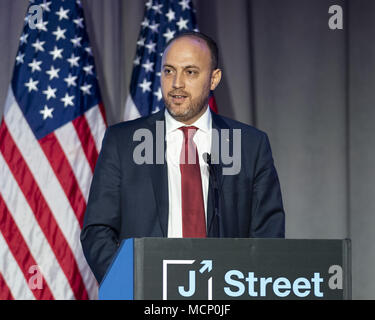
(167, 71)
(191, 72)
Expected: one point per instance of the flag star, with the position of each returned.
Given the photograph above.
(41, 25)
(73, 60)
(68, 100)
(158, 74)
(35, 65)
(23, 38)
(31, 85)
(50, 93)
(38, 45)
(76, 41)
(53, 73)
(149, 4)
(56, 53)
(19, 58)
(154, 26)
(184, 4)
(86, 88)
(158, 94)
(145, 85)
(79, 22)
(145, 23)
(168, 35)
(63, 14)
(137, 60)
(182, 24)
(88, 50)
(151, 47)
(46, 112)
(149, 66)
(170, 15)
(141, 42)
(27, 19)
(45, 6)
(88, 69)
(157, 8)
(70, 80)
(59, 33)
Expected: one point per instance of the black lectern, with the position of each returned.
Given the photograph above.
(210, 269)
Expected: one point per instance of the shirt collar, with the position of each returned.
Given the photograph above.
(204, 123)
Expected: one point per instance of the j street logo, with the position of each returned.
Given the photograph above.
(204, 267)
(194, 279)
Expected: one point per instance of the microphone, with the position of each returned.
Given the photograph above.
(215, 183)
(211, 168)
(207, 158)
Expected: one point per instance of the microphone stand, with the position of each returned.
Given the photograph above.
(215, 183)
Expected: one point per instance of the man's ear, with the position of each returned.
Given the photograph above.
(215, 78)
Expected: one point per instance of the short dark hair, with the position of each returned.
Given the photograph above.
(211, 44)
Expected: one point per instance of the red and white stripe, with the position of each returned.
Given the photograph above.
(44, 188)
(5, 293)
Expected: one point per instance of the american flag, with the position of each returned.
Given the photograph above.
(163, 20)
(50, 136)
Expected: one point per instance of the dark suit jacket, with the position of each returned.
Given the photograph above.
(129, 200)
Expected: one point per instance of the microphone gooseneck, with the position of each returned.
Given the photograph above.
(212, 168)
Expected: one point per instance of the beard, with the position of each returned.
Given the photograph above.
(194, 107)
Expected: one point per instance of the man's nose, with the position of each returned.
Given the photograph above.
(178, 81)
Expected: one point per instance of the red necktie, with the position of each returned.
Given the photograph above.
(193, 216)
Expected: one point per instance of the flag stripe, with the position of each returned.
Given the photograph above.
(212, 103)
(64, 174)
(11, 271)
(32, 234)
(72, 148)
(97, 123)
(42, 211)
(20, 250)
(102, 111)
(5, 293)
(87, 140)
(69, 142)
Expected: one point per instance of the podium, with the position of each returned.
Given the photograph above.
(227, 268)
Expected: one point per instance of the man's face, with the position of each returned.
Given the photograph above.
(187, 78)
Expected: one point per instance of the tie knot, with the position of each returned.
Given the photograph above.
(189, 132)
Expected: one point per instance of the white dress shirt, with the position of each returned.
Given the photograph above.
(174, 139)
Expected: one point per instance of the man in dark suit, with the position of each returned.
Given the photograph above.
(183, 171)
